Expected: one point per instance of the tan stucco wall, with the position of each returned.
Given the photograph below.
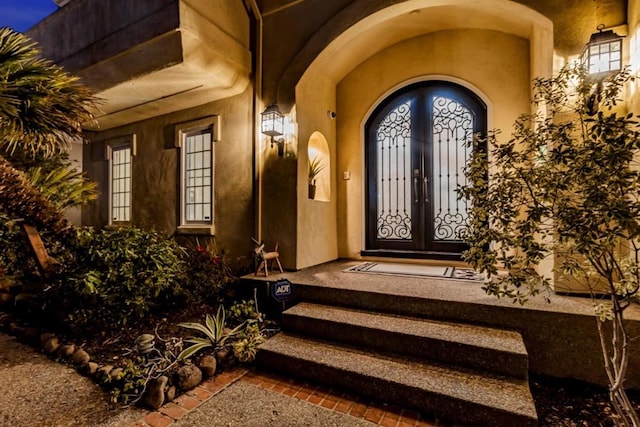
(311, 26)
(317, 224)
(633, 44)
(155, 172)
(495, 63)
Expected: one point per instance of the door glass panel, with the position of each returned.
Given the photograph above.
(452, 130)
(393, 153)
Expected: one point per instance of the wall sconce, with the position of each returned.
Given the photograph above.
(273, 125)
(601, 58)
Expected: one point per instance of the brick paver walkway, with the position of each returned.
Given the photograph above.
(331, 399)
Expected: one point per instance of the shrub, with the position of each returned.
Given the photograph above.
(119, 275)
(208, 274)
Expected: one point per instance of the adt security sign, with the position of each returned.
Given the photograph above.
(281, 290)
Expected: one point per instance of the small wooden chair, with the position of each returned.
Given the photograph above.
(265, 257)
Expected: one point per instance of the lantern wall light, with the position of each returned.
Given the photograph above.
(601, 59)
(602, 56)
(272, 124)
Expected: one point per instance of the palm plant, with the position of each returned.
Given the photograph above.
(42, 108)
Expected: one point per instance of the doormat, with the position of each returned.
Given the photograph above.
(417, 270)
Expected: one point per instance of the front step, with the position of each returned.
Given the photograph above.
(458, 396)
(481, 348)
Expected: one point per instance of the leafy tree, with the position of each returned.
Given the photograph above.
(42, 108)
(565, 185)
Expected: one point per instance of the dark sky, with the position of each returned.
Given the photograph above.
(23, 14)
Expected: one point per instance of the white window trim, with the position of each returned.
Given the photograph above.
(182, 130)
(129, 141)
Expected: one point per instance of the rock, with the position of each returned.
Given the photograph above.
(88, 369)
(102, 373)
(29, 334)
(188, 377)
(114, 372)
(13, 328)
(66, 350)
(5, 319)
(51, 345)
(80, 357)
(208, 365)
(170, 394)
(154, 396)
(44, 337)
(223, 356)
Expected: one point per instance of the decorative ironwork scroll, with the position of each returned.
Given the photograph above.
(452, 131)
(393, 150)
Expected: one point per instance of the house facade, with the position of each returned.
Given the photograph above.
(384, 94)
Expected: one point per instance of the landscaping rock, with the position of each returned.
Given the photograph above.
(170, 394)
(13, 328)
(114, 372)
(80, 357)
(66, 350)
(29, 334)
(45, 337)
(51, 345)
(102, 373)
(208, 365)
(224, 357)
(88, 369)
(188, 377)
(154, 397)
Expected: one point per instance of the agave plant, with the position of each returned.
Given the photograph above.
(214, 331)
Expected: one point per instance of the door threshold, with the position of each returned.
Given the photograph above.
(408, 256)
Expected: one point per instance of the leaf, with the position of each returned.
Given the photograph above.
(190, 351)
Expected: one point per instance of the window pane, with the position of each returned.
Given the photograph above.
(197, 184)
(121, 184)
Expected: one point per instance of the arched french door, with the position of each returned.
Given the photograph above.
(416, 150)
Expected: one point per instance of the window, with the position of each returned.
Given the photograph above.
(120, 153)
(195, 140)
(197, 183)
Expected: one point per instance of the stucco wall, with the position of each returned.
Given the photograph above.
(494, 63)
(155, 182)
(633, 44)
(312, 25)
(317, 224)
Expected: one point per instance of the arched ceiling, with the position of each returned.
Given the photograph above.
(408, 19)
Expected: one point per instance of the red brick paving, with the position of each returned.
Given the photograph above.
(380, 414)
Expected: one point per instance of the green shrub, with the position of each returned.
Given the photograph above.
(208, 274)
(119, 275)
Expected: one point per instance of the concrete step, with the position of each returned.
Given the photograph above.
(457, 396)
(481, 348)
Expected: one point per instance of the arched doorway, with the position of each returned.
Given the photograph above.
(416, 149)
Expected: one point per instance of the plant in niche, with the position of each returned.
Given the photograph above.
(315, 167)
(565, 185)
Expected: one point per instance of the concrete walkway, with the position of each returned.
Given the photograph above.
(37, 391)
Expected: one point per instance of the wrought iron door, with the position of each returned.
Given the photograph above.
(416, 150)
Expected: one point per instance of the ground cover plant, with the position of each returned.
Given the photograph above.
(566, 184)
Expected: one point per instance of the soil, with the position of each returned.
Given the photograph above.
(569, 403)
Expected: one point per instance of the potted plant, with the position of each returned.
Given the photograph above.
(315, 167)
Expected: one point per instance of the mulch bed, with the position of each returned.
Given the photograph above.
(570, 403)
